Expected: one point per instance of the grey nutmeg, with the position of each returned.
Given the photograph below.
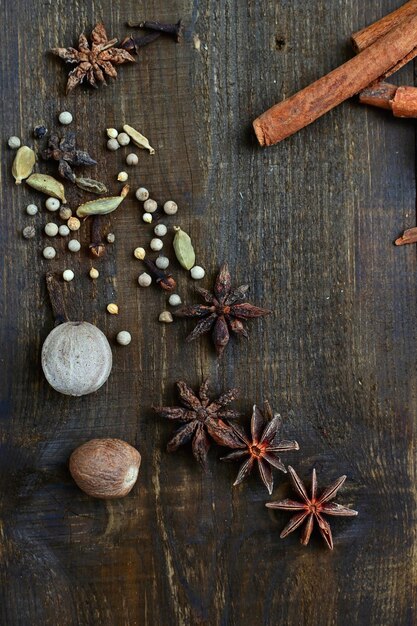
(76, 358)
(105, 468)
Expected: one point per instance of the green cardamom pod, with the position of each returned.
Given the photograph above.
(48, 185)
(138, 139)
(88, 184)
(23, 164)
(183, 248)
(102, 206)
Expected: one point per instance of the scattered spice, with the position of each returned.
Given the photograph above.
(174, 300)
(123, 139)
(102, 206)
(133, 44)
(164, 280)
(74, 245)
(166, 317)
(312, 508)
(197, 272)
(202, 418)
(63, 230)
(28, 232)
(91, 185)
(113, 309)
(95, 62)
(51, 229)
(94, 273)
(173, 30)
(224, 313)
(65, 118)
(48, 185)
(122, 177)
(52, 204)
(123, 338)
(160, 230)
(263, 446)
(31, 209)
(112, 133)
(97, 246)
(144, 279)
(23, 164)
(408, 236)
(68, 275)
(40, 131)
(132, 159)
(14, 142)
(183, 248)
(170, 207)
(142, 194)
(74, 223)
(65, 152)
(156, 244)
(150, 205)
(49, 252)
(111, 237)
(138, 139)
(113, 145)
(139, 253)
(162, 262)
(65, 213)
(147, 217)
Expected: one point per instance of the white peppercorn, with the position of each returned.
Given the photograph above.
(65, 213)
(52, 204)
(65, 118)
(28, 232)
(112, 308)
(139, 253)
(174, 299)
(170, 207)
(160, 230)
(68, 275)
(49, 252)
(113, 145)
(111, 238)
(74, 245)
(51, 229)
(124, 338)
(166, 316)
(144, 280)
(73, 223)
(147, 217)
(123, 139)
(132, 159)
(13, 142)
(63, 230)
(156, 244)
(31, 209)
(94, 273)
(112, 133)
(150, 205)
(122, 177)
(162, 262)
(142, 194)
(197, 272)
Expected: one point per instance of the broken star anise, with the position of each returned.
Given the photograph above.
(95, 62)
(223, 313)
(64, 151)
(263, 446)
(312, 508)
(202, 418)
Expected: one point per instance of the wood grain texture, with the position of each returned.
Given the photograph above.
(309, 225)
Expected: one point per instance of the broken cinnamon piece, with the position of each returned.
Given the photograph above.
(408, 236)
(402, 101)
(289, 116)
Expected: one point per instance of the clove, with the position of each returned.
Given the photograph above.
(97, 245)
(163, 279)
(133, 44)
(173, 30)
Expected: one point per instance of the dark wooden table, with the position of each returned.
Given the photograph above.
(309, 224)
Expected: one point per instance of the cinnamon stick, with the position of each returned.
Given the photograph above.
(289, 116)
(408, 236)
(402, 101)
(367, 36)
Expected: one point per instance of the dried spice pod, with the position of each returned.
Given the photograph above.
(105, 468)
(76, 356)
(183, 248)
(68, 156)
(23, 164)
(138, 139)
(91, 185)
(164, 280)
(102, 206)
(47, 185)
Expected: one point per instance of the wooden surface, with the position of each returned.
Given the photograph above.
(309, 224)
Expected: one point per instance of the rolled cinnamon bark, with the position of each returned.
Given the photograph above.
(367, 36)
(289, 116)
(402, 101)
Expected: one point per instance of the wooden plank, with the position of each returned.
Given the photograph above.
(309, 225)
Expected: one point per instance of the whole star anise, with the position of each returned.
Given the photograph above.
(201, 417)
(312, 508)
(64, 151)
(224, 313)
(95, 62)
(263, 446)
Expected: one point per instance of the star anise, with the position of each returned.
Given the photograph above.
(95, 62)
(312, 508)
(224, 313)
(64, 151)
(263, 446)
(202, 418)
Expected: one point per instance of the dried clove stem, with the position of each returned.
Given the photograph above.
(132, 44)
(163, 279)
(173, 30)
(97, 245)
(56, 299)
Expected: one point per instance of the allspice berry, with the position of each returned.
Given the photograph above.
(105, 468)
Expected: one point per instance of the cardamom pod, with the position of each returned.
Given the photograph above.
(138, 139)
(48, 185)
(88, 184)
(102, 206)
(183, 248)
(23, 164)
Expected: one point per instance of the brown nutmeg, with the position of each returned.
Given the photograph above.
(105, 468)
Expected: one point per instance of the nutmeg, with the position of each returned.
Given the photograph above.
(76, 358)
(105, 468)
